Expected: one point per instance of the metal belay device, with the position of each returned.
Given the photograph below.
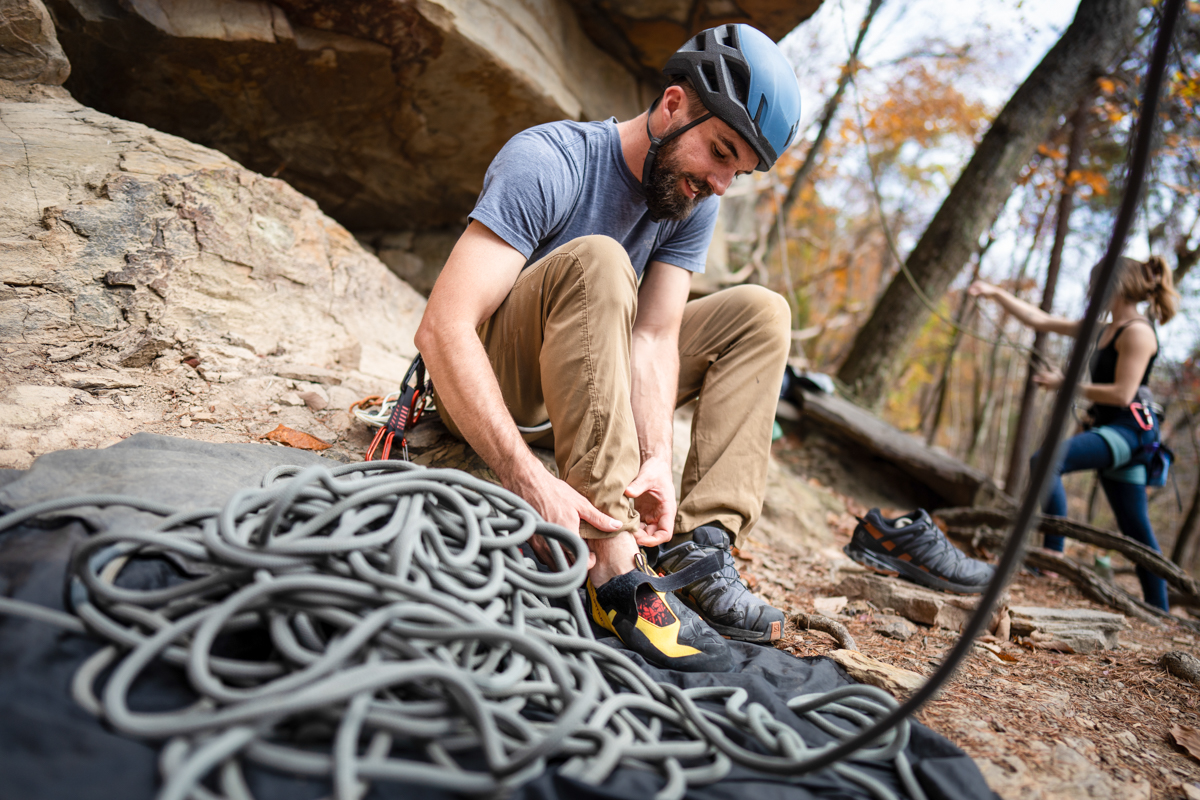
(381, 622)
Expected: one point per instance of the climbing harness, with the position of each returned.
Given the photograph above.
(397, 413)
(406, 622)
(404, 411)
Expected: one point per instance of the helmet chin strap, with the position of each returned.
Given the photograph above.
(656, 142)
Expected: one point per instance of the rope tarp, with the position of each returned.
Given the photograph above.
(381, 623)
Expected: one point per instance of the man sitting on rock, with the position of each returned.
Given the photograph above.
(566, 300)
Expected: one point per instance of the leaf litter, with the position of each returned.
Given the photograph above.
(1040, 721)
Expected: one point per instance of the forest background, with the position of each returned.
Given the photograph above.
(884, 137)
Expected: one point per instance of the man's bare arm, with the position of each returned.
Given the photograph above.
(477, 277)
(655, 370)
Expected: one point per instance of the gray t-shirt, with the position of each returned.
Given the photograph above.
(562, 180)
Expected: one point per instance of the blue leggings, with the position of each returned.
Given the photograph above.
(1128, 501)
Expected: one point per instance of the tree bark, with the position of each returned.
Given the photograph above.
(1097, 36)
(947, 477)
(983, 417)
(965, 310)
(1019, 453)
(1188, 537)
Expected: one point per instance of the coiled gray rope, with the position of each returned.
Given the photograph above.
(408, 636)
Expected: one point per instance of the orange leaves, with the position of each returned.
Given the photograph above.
(1090, 178)
(1051, 152)
(294, 438)
(921, 106)
(1186, 88)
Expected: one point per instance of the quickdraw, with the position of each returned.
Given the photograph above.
(408, 408)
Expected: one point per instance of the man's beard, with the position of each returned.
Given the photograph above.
(664, 198)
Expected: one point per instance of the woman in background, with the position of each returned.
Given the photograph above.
(1125, 353)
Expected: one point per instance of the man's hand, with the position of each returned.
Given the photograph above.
(653, 495)
(557, 502)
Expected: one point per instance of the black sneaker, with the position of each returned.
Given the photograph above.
(912, 547)
(641, 610)
(720, 597)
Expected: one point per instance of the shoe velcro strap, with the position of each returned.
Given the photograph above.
(621, 591)
(674, 581)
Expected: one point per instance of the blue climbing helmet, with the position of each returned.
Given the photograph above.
(744, 80)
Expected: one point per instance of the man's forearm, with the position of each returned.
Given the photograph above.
(655, 371)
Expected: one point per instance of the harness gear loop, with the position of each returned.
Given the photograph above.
(412, 402)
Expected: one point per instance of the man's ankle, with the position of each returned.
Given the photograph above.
(614, 556)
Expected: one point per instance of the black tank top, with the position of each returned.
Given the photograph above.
(1104, 370)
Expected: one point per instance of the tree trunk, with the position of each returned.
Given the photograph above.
(1020, 442)
(983, 418)
(965, 310)
(1093, 41)
(1188, 537)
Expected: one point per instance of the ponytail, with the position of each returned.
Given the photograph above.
(1164, 300)
(1150, 282)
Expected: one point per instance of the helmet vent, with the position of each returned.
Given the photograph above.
(709, 73)
(726, 36)
(762, 106)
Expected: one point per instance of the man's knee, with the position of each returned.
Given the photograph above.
(769, 313)
(605, 270)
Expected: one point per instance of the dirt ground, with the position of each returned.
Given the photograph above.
(1040, 724)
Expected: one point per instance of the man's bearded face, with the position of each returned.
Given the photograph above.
(664, 197)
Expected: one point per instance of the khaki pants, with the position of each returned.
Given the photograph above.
(560, 343)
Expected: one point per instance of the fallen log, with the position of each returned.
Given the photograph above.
(952, 480)
(1094, 586)
(967, 522)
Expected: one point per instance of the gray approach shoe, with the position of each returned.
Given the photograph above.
(721, 598)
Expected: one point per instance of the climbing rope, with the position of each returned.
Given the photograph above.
(380, 622)
(1043, 469)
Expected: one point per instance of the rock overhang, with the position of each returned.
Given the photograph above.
(386, 112)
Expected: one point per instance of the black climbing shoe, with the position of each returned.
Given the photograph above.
(643, 612)
(719, 596)
(913, 547)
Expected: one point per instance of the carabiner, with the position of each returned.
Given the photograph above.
(1142, 416)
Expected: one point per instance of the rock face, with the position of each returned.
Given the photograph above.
(145, 279)
(29, 50)
(386, 112)
(643, 35)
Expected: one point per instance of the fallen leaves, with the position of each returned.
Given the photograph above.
(294, 438)
(1188, 738)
